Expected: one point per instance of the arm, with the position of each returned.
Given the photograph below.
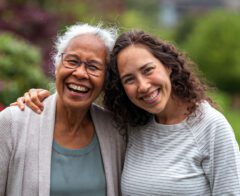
(33, 99)
(224, 164)
(5, 148)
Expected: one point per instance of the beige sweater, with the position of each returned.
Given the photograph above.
(26, 145)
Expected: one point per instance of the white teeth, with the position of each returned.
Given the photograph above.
(78, 88)
(151, 96)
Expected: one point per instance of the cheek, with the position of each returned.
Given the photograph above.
(162, 78)
(101, 80)
(58, 83)
(58, 77)
(169, 83)
(130, 91)
(98, 83)
(100, 86)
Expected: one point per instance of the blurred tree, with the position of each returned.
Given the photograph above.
(150, 9)
(141, 14)
(19, 68)
(185, 28)
(28, 19)
(214, 45)
(90, 11)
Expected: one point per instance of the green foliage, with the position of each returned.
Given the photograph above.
(76, 9)
(149, 9)
(19, 68)
(185, 28)
(133, 19)
(214, 45)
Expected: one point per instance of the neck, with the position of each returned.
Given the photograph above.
(73, 127)
(72, 117)
(174, 112)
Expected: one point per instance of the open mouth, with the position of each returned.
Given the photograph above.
(77, 89)
(151, 97)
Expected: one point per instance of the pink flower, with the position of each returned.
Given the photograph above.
(1, 107)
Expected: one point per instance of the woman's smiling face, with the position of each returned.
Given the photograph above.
(145, 79)
(76, 87)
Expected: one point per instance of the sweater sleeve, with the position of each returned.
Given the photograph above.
(5, 147)
(221, 162)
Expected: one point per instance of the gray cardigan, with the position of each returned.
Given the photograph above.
(26, 146)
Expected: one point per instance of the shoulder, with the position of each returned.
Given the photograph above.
(209, 116)
(103, 121)
(14, 119)
(51, 100)
(13, 113)
(100, 112)
(17, 119)
(6, 118)
(210, 127)
(10, 119)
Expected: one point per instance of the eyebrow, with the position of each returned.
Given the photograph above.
(91, 61)
(145, 65)
(141, 68)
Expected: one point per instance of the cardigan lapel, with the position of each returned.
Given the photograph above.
(45, 145)
(105, 147)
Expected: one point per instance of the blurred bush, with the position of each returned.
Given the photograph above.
(213, 44)
(19, 68)
(29, 20)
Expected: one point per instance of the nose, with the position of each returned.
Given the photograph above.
(143, 85)
(81, 72)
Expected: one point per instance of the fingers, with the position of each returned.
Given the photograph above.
(20, 103)
(32, 101)
(42, 94)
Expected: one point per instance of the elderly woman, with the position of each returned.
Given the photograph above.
(178, 143)
(71, 148)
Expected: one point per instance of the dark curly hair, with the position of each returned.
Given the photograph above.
(185, 81)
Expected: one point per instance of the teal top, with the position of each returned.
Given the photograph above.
(77, 172)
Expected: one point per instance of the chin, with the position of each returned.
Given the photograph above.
(155, 110)
(71, 104)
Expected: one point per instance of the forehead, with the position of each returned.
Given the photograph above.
(135, 55)
(87, 44)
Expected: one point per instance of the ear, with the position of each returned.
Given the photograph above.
(169, 70)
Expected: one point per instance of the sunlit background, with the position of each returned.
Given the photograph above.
(208, 30)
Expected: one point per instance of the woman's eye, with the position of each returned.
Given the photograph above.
(72, 62)
(127, 80)
(92, 67)
(148, 70)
